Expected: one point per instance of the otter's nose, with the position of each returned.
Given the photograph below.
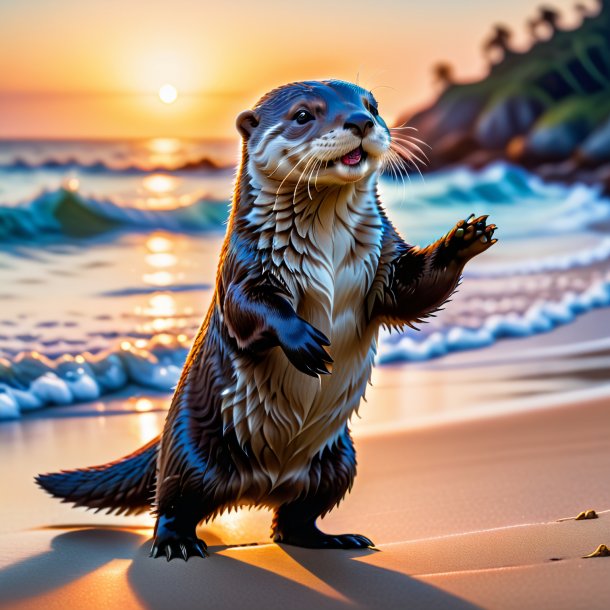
(359, 122)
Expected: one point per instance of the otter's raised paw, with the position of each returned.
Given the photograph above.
(184, 547)
(304, 347)
(319, 540)
(470, 237)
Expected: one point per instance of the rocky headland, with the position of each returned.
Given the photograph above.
(546, 109)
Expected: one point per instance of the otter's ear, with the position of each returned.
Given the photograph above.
(246, 123)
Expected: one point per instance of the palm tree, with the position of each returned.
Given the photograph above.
(531, 26)
(443, 74)
(602, 6)
(548, 17)
(583, 10)
(500, 41)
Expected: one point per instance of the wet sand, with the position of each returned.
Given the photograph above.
(463, 477)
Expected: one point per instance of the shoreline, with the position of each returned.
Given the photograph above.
(571, 364)
(564, 171)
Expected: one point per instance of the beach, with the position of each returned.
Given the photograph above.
(134, 157)
(469, 508)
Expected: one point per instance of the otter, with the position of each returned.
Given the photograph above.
(310, 269)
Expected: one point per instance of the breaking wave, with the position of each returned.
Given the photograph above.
(31, 380)
(64, 212)
(508, 193)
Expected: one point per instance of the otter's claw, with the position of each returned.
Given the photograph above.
(183, 548)
(305, 347)
(470, 237)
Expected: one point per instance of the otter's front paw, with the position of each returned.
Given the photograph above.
(304, 347)
(470, 237)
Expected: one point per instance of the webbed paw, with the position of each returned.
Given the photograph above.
(172, 546)
(315, 539)
(470, 237)
(304, 347)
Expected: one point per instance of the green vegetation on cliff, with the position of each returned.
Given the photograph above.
(546, 105)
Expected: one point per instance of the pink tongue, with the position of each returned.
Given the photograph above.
(352, 158)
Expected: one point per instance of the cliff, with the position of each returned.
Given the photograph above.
(547, 109)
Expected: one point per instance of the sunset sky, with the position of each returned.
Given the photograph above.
(74, 68)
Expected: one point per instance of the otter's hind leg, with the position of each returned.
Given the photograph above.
(185, 498)
(332, 476)
(175, 529)
(193, 484)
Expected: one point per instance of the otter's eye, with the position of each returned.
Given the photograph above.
(372, 108)
(302, 117)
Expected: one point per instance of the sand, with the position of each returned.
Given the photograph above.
(465, 508)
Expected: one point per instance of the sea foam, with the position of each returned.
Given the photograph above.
(32, 381)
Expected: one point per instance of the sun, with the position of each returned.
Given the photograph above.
(168, 94)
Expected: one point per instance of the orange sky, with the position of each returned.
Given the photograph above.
(76, 68)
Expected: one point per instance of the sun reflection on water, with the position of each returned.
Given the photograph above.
(71, 184)
(161, 305)
(162, 311)
(160, 247)
(166, 153)
(159, 192)
(158, 278)
(143, 405)
(160, 183)
(164, 146)
(159, 243)
(148, 426)
(161, 260)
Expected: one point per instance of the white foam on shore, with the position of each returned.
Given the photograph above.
(69, 380)
(32, 381)
(539, 318)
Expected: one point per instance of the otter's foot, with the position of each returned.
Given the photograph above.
(173, 538)
(470, 237)
(312, 538)
(178, 546)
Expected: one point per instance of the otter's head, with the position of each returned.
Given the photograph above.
(322, 133)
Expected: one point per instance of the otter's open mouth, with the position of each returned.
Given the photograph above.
(352, 158)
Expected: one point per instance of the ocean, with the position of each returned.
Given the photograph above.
(108, 254)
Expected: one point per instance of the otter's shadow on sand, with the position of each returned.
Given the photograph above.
(226, 582)
(219, 581)
(73, 555)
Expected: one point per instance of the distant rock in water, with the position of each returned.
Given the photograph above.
(547, 109)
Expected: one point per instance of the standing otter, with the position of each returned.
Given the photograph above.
(310, 269)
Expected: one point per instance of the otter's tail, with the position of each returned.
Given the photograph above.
(125, 486)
